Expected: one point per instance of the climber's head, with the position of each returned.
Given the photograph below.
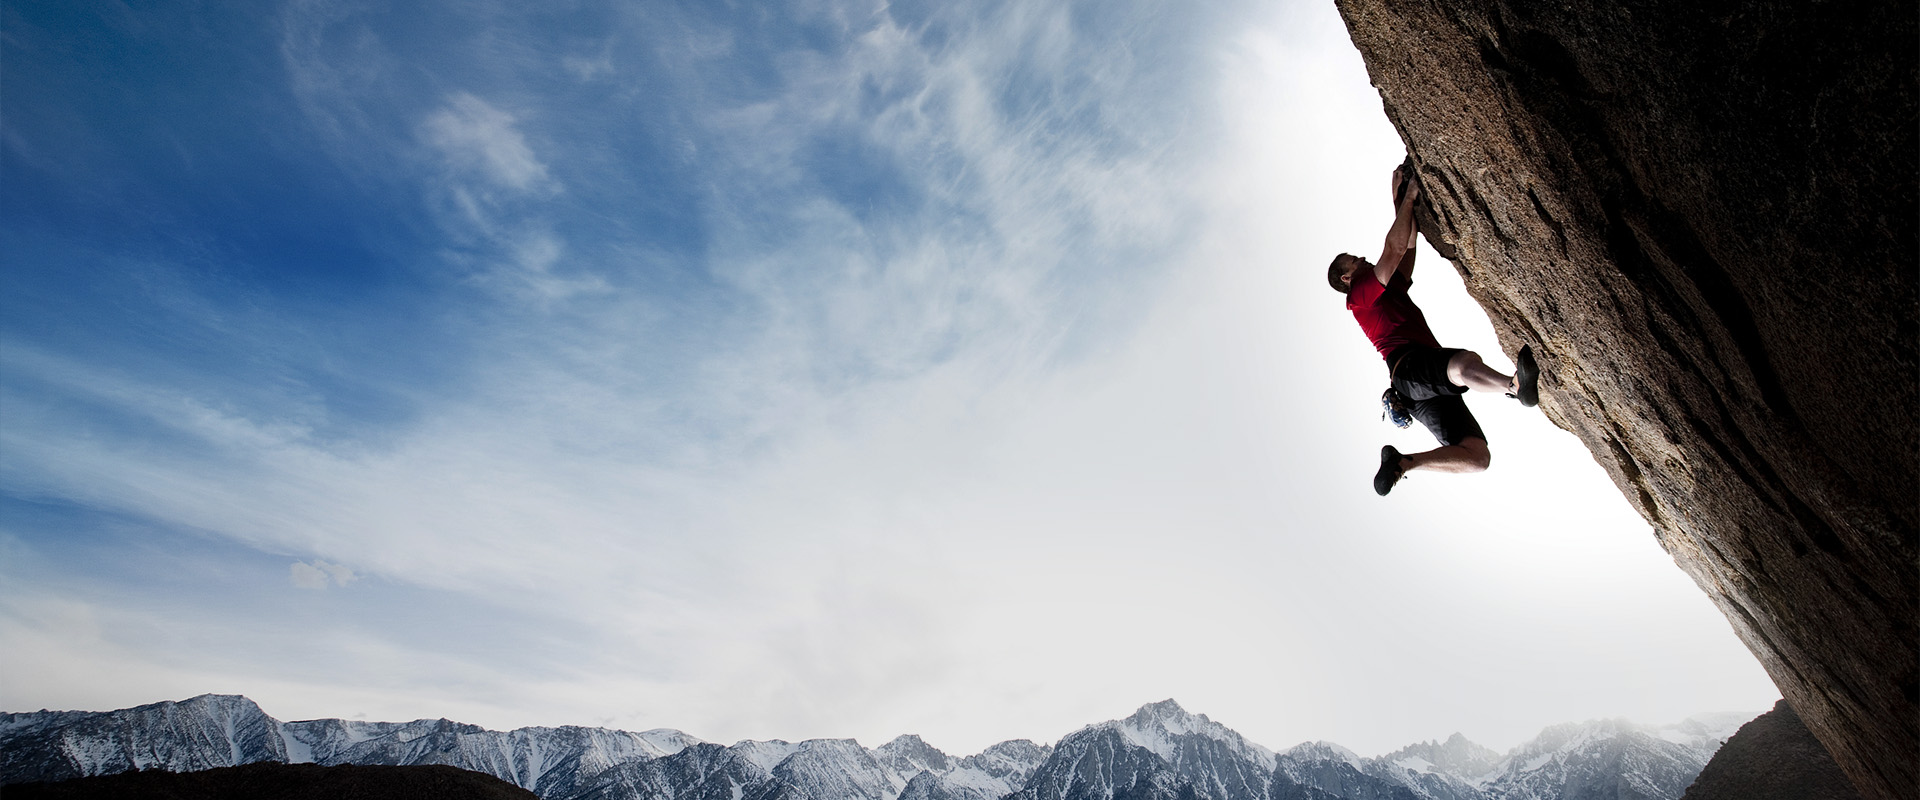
(1340, 272)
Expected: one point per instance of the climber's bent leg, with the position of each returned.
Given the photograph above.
(1466, 369)
(1470, 455)
(1453, 426)
(1463, 447)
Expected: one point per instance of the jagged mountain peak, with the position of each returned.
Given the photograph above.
(838, 768)
(1165, 709)
(1458, 756)
(1153, 723)
(203, 732)
(1160, 751)
(1607, 757)
(908, 743)
(666, 741)
(1164, 727)
(1573, 734)
(1009, 758)
(812, 746)
(227, 703)
(1321, 751)
(908, 754)
(764, 754)
(212, 698)
(1016, 748)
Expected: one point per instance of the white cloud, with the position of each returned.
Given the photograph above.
(318, 574)
(307, 576)
(473, 135)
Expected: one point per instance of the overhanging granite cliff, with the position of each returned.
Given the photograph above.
(1703, 216)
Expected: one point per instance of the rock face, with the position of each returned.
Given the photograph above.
(1772, 758)
(1703, 217)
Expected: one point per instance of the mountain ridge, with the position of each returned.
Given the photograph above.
(1160, 751)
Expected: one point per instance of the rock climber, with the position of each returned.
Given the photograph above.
(1427, 379)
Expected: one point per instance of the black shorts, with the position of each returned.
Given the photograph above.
(1420, 374)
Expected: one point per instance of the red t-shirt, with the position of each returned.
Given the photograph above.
(1389, 317)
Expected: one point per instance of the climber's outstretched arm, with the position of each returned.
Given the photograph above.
(1413, 245)
(1397, 253)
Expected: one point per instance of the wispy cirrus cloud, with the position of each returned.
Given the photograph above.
(491, 198)
(472, 135)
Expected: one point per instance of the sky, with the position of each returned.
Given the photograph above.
(764, 370)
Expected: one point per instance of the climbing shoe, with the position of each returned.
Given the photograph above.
(1390, 471)
(1526, 378)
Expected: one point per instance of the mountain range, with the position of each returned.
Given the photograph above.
(1161, 752)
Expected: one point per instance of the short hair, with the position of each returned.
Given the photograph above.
(1334, 271)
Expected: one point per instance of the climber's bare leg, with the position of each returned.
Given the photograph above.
(1470, 455)
(1466, 369)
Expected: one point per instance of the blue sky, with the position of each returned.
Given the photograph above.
(761, 370)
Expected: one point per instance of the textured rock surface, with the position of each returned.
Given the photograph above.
(1703, 215)
(1772, 758)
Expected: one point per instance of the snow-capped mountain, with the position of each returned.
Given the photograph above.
(1608, 759)
(1449, 770)
(1324, 770)
(202, 733)
(1612, 759)
(998, 771)
(1161, 752)
(550, 762)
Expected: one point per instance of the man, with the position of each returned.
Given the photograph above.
(1432, 378)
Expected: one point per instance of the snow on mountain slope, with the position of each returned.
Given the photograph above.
(1321, 751)
(765, 755)
(1612, 759)
(1456, 756)
(839, 768)
(1165, 728)
(698, 772)
(1447, 770)
(1323, 771)
(200, 733)
(992, 774)
(1160, 751)
(547, 761)
(907, 756)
